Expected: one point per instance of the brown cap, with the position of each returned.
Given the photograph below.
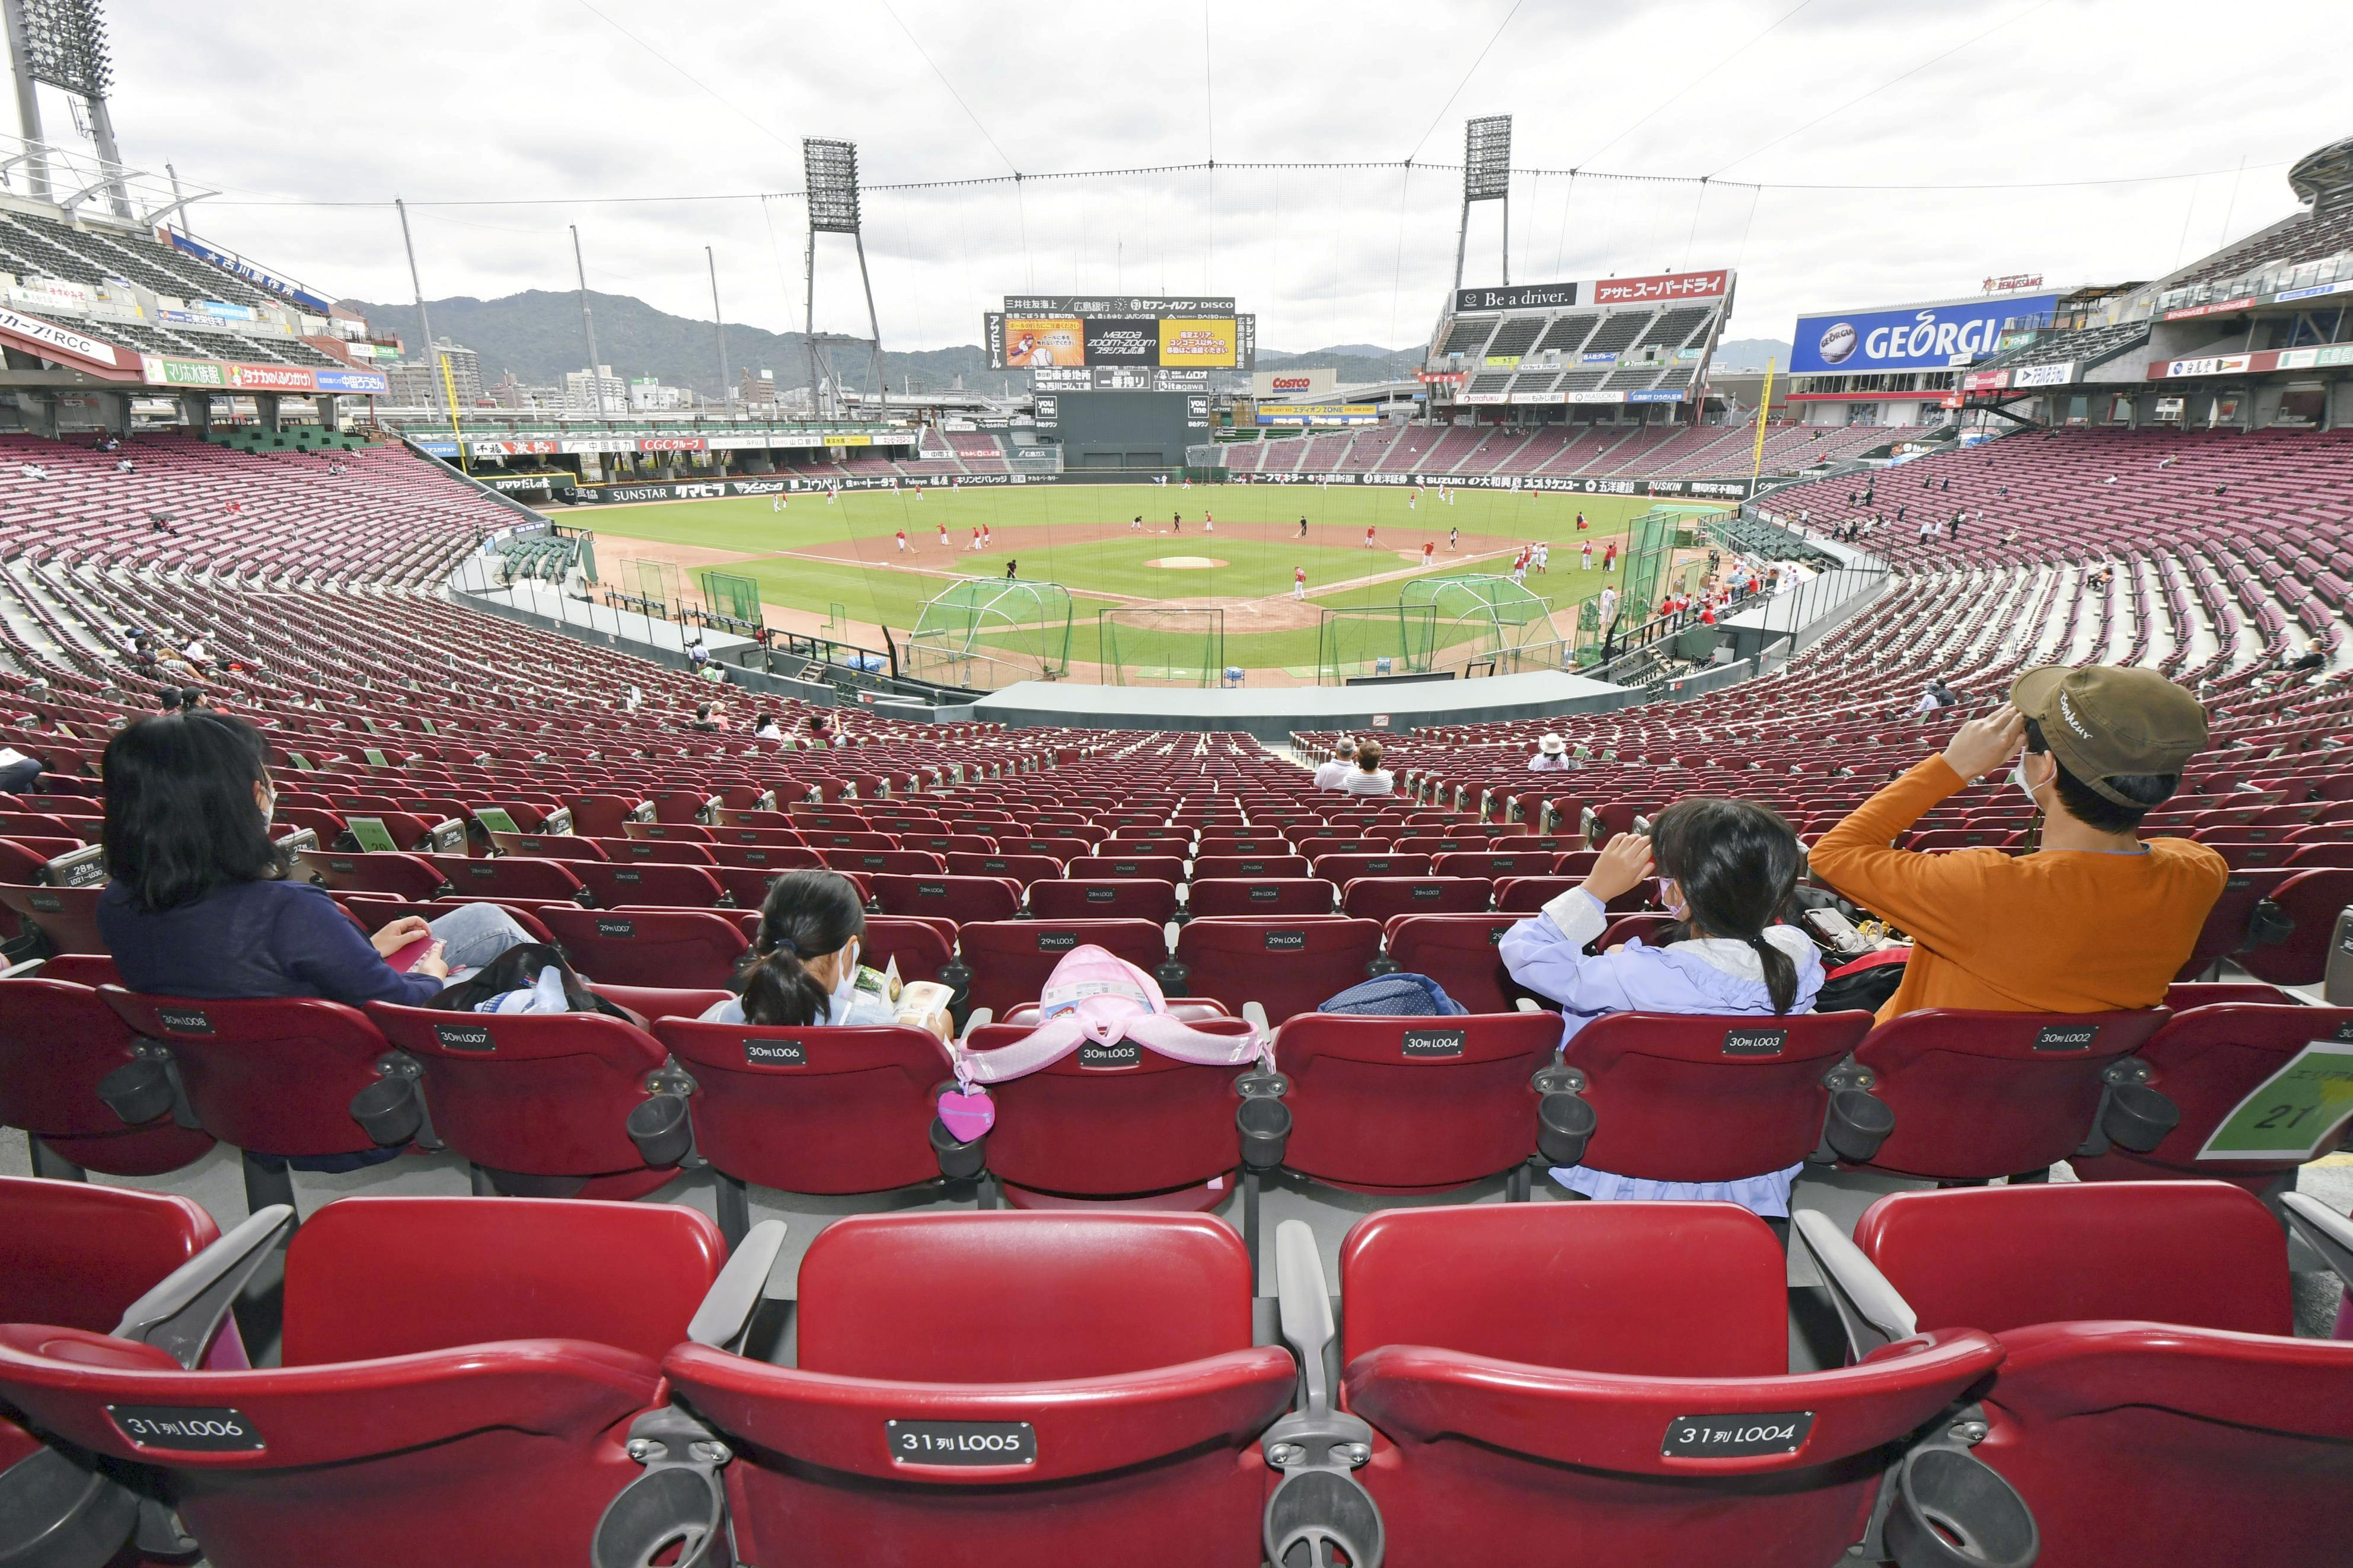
(2101, 721)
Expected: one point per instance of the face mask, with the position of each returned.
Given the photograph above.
(2018, 778)
(845, 990)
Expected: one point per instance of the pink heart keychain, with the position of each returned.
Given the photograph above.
(968, 1114)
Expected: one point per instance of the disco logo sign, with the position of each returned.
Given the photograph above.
(1934, 337)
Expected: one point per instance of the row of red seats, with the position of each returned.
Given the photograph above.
(1511, 1382)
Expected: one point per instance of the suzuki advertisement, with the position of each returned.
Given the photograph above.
(1929, 337)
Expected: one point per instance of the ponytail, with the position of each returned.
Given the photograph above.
(1780, 974)
(779, 992)
(805, 915)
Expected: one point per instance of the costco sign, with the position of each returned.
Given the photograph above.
(1293, 385)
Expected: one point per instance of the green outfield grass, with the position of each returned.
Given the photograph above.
(1256, 538)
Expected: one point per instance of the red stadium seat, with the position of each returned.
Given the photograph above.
(2207, 1060)
(511, 875)
(1260, 895)
(1117, 899)
(2311, 899)
(1380, 898)
(958, 898)
(459, 1378)
(832, 1111)
(901, 862)
(402, 874)
(57, 1042)
(2154, 1409)
(1115, 1351)
(1167, 869)
(1980, 1095)
(1027, 869)
(1286, 967)
(1692, 1097)
(1412, 1105)
(548, 847)
(80, 1256)
(542, 1105)
(1244, 867)
(1503, 1433)
(66, 917)
(657, 851)
(274, 1079)
(649, 947)
(644, 885)
(1010, 960)
(1458, 952)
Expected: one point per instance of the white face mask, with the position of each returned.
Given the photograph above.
(845, 989)
(2018, 778)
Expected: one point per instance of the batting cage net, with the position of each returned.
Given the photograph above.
(1147, 645)
(1492, 622)
(657, 581)
(1373, 639)
(987, 632)
(725, 594)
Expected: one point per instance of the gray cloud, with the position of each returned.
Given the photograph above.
(542, 99)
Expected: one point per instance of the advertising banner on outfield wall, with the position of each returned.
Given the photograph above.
(1205, 340)
(1122, 340)
(1282, 383)
(51, 341)
(713, 490)
(1924, 337)
(1319, 414)
(1702, 489)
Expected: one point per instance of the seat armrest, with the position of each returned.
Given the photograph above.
(1307, 1309)
(184, 1310)
(727, 1307)
(1873, 1311)
(2330, 1234)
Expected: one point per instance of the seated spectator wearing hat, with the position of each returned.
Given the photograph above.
(1332, 773)
(1551, 756)
(2095, 919)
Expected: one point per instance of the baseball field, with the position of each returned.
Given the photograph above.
(841, 564)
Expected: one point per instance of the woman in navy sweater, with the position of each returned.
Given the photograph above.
(200, 905)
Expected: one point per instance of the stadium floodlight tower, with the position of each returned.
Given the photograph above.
(62, 44)
(1486, 177)
(830, 175)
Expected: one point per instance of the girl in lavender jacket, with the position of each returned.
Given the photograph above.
(1726, 868)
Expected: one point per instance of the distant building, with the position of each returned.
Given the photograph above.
(649, 396)
(595, 392)
(510, 391)
(465, 370)
(757, 390)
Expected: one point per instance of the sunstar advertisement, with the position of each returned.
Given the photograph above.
(1919, 337)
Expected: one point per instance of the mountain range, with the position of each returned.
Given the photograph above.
(537, 334)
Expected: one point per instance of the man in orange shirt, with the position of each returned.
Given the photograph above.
(2093, 920)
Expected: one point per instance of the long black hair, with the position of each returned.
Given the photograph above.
(180, 818)
(1736, 863)
(806, 915)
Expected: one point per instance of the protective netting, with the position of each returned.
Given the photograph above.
(986, 632)
(1150, 645)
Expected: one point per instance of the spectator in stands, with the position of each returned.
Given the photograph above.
(697, 655)
(707, 720)
(168, 700)
(160, 522)
(1369, 777)
(766, 729)
(803, 970)
(198, 656)
(1727, 869)
(192, 698)
(824, 729)
(200, 903)
(33, 471)
(632, 700)
(1551, 756)
(1333, 773)
(125, 466)
(2095, 919)
(18, 772)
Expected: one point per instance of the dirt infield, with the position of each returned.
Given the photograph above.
(1274, 612)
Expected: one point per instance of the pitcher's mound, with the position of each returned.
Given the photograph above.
(1185, 563)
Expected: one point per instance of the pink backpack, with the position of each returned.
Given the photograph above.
(1093, 995)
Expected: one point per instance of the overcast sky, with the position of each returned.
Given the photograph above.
(288, 107)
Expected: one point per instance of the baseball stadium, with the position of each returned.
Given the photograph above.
(910, 784)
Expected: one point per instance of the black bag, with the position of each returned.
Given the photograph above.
(1861, 985)
(518, 969)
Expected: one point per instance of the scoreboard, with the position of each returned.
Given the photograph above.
(1076, 343)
